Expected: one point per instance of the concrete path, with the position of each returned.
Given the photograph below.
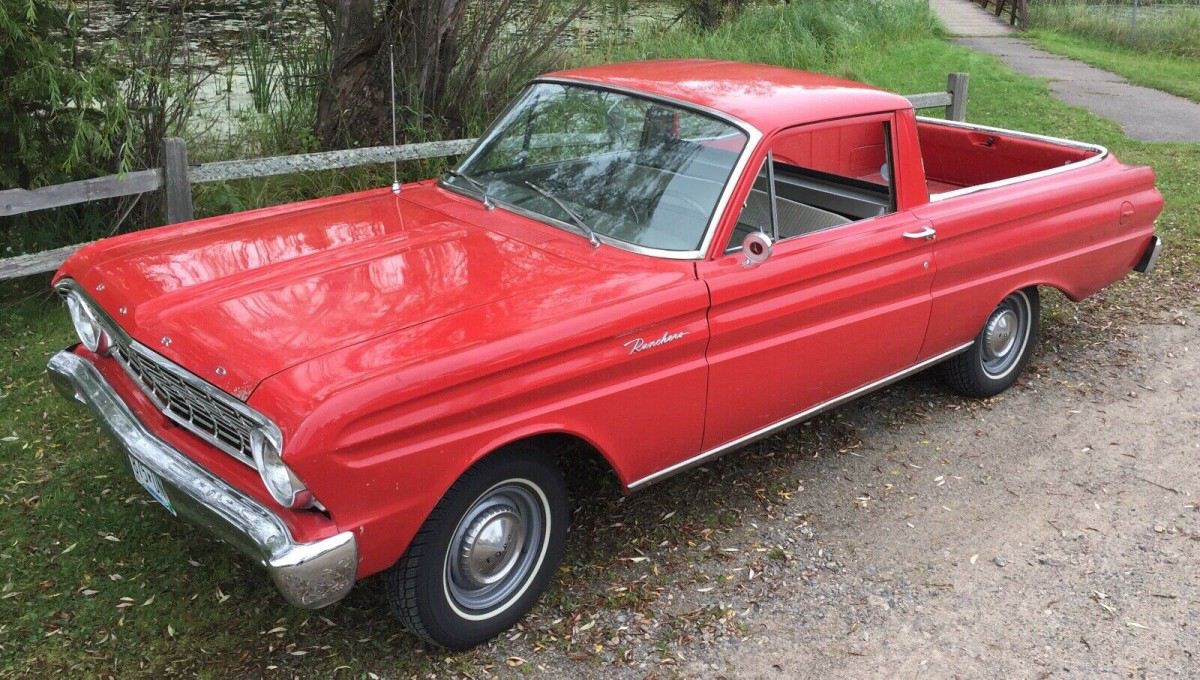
(1144, 114)
(968, 18)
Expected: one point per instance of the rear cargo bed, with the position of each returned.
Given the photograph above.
(962, 157)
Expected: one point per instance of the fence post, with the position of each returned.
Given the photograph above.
(1133, 26)
(177, 188)
(956, 85)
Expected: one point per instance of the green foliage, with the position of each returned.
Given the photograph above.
(259, 62)
(707, 14)
(61, 116)
(1160, 30)
(821, 36)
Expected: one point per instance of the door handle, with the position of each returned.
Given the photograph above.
(926, 233)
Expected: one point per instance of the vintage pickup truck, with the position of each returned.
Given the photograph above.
(646, 265)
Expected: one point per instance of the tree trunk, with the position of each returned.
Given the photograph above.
(442, 52)
(352, 87)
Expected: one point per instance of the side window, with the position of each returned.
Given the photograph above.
(824, 177)
(756, 211)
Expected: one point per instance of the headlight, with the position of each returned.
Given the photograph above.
(281, 482)
(91, 333)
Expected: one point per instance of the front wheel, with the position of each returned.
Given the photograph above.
(486, 552)
(995, 360)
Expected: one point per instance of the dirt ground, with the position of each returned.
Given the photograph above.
(1051, 532)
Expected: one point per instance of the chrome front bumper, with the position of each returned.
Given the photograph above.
(309, 575)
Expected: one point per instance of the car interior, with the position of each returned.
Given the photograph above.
(824, 178)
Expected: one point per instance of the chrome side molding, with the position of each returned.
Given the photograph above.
(761, 433)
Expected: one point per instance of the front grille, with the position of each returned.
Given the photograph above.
(188, 401)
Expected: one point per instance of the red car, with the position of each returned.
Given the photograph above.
(649, 264)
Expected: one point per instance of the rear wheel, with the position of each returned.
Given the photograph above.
(486, 552)
(1000, 351)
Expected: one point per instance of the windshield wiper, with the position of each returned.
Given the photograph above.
(583, 226)
(488, 203)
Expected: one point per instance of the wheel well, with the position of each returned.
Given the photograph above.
(1046, 285)
(582, 465)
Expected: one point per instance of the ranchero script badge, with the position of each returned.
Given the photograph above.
(640, 345)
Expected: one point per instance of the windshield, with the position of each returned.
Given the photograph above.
(633, 170)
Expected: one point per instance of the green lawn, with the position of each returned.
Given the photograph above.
(1170, 73)
(98, 580)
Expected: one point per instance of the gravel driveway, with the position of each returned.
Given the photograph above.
(1051, 532)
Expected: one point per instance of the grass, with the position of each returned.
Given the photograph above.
(97, 580)
(1169, 73)
(809, 35)
(1173, 30)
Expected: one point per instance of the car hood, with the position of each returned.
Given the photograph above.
(237, 299)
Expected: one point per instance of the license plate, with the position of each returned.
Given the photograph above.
(151, 482)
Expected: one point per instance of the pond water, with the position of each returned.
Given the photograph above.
(226, 41)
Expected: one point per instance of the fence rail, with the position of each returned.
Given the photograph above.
(1018, 10)
(176, 176)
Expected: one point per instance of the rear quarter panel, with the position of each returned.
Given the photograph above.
(1064, 230)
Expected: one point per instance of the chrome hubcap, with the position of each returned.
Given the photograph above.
(496, 547)
(490, 548)
(1000, 334)
(1004, 335)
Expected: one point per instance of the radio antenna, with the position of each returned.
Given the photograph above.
(392, 73)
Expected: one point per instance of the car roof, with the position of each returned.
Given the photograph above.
(766, 97)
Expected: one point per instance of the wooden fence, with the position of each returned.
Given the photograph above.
(1018, 10)
(176, 177)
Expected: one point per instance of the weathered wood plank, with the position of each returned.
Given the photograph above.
(18, 201)
(35, 263)
(326, 160)
(176, 187)
(930, 100)
(956, 85)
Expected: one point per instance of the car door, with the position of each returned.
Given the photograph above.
(844, 298)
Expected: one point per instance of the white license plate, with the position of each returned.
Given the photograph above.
(151, 482)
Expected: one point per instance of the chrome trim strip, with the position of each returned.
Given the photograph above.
(121, 341)
(791, 420)
(753, 137)
(309, 575)
(1100, 151)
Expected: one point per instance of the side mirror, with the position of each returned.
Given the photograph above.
(757, 247)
